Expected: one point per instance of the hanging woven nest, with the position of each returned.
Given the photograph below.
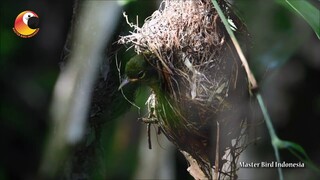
(203, 104)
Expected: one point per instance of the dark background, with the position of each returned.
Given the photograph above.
(284, 56)
(29, 69)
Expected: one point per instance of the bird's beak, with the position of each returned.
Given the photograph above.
(124, 82)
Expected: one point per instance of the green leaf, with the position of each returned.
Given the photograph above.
(306, 10)
(300, 153)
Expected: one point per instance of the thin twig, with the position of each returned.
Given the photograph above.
(216, 171)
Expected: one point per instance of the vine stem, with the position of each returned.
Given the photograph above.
(274, 138)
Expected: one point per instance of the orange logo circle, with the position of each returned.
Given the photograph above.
(26, 24)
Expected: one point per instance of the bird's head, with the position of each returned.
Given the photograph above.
(139, 70)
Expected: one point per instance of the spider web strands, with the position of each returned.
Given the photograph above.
(252, 81)
(72, 93)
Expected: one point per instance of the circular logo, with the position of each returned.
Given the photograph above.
(26, 24)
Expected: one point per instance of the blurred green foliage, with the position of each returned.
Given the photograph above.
(276, 34)
(306, 10)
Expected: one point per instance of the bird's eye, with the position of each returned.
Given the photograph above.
(141, 74)
(26, 17)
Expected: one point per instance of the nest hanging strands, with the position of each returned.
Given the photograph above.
(202, 97)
